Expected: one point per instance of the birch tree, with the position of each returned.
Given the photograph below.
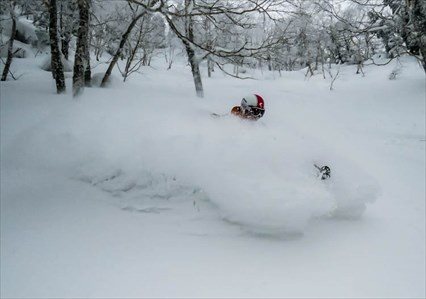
(135, 16)
(56, 63)
(81, 59)
(6, 70)
(238, 13)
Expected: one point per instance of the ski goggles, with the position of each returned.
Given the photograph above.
(252, 110)
(256, 111)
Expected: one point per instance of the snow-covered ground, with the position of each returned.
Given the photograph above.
(136, 191)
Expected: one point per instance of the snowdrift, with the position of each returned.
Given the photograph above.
(46, 64)
(259, 177)
(25, 30)
(20, 50)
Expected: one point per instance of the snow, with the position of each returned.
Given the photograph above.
(26, 31)
(20, 49)
(135, 191)
(46, 64)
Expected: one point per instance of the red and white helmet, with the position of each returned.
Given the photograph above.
(253, 105)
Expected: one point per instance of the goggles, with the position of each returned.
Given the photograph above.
(256, 111)
(252, 110)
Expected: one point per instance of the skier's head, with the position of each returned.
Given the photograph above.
(253, 106)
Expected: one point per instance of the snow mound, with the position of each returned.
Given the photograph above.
(46, 64)
(97, 80)
(20, 50)
(25, 30)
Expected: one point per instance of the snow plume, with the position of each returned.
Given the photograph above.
(259, 177)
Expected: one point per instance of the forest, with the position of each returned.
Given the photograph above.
(280, 35)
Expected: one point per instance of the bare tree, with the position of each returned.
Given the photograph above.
(148, 35)
(136, 15)
(417, 13)
(219, 12)
(172, 48)
(192, 59)
(132, 66)
(9, 59)
(401, 24)
(57, 67)
(67, 23)
(81, 60)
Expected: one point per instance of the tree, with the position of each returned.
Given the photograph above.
(136, 15)
(57, 67)
(188, 42)
(67, 23)
(416, 39)
(221, 13)
(82, 57)
(149, 34)
(400, 24)
(6, 70)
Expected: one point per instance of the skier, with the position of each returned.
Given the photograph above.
(252, 107)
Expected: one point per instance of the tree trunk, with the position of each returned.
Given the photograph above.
(129, 61)
(65, 45)
(10, 47)
(195, 69)
(87, 71)
(120, 49)
(210, 66)
(269, 60)
(418, 13)
(195, 65)
(56, 63)
(423, 57)
(80, 60)
(65, 34)
(309, 71)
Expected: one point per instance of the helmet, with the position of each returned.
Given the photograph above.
(253, 106)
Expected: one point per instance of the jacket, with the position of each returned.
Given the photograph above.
(238, 111)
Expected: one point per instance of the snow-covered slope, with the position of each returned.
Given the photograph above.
(136, 190)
